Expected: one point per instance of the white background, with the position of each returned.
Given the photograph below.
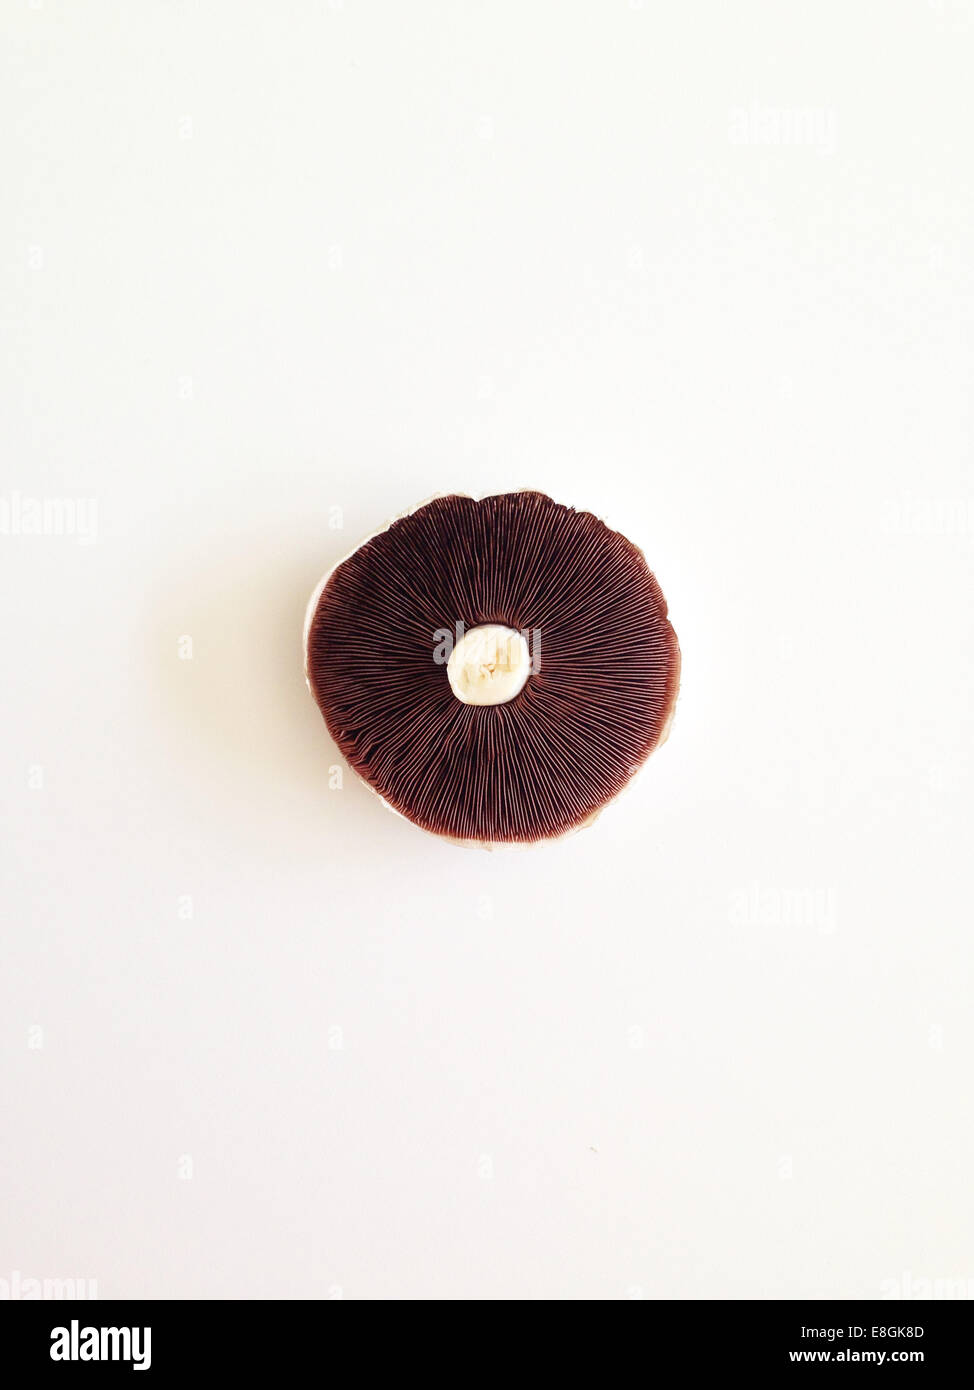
(703, 269)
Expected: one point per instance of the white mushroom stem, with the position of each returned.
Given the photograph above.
(489, 665)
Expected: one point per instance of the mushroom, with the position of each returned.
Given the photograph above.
(496, 669)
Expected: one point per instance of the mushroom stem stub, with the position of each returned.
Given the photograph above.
(489, 665)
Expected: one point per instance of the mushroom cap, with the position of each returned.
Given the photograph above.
(603, 682)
